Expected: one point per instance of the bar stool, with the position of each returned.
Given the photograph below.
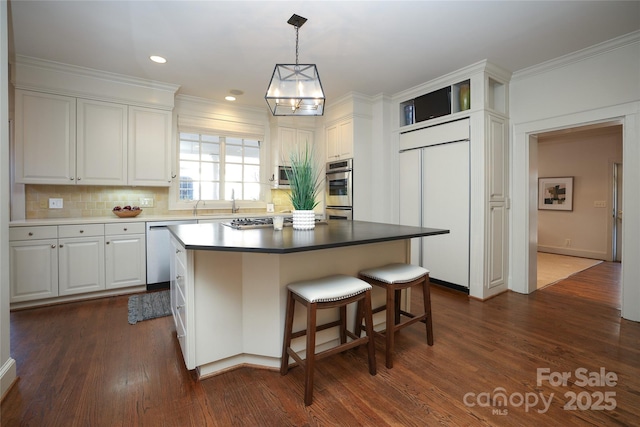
(328, 292)
(394, 278)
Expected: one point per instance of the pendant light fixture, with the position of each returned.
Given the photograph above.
(295, 89)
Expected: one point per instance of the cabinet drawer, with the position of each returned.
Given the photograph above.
(124, 228)
(80, 230)
(181, 333)
(33, 233)
(181, 278)
(181, 255)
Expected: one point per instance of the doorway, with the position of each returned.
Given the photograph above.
(585, 232)
(523, 229)
(524, 189)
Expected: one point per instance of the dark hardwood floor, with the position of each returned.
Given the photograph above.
(82, 364)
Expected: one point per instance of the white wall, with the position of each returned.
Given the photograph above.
(588, 156)
(596, 85)
(7, 364)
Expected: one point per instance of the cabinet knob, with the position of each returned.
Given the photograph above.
(79, 178)
(62, 246)
(178, 251)
(71, 178)
(125, 229)
(81, 231)
(30, 234)
(179, 307)
(108, 243)
(53, 246)
(178, 277)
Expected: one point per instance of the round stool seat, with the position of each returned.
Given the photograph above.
(327, 289)
(395, 273)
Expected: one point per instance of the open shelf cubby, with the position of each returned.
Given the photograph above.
(438, 103)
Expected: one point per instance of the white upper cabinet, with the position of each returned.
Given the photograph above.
(45, 134)
(64, 140)
(292, 140)
(101, 143)
(287, 142)
(84, 127)
(149, 159)
(340, 140)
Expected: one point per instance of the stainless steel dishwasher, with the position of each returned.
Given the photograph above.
(158, 252)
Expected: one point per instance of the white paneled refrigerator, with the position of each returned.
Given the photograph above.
(434, 192)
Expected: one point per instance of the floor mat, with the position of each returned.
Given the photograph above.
(552, 267)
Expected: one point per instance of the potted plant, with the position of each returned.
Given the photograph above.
(305, 183)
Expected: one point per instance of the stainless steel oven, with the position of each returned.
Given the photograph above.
(339, 188)
(335, 212)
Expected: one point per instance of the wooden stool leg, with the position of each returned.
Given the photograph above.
(343, 324)
(288, 327)
(426, 293)
(371, 345)
(397, 298)
(357, 330)
(390, 326)
(311, 349)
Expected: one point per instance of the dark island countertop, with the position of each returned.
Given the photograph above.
(333, 234)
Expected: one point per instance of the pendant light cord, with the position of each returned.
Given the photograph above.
(297, 44)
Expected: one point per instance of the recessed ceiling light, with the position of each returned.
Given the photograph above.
(230, 98)
(158, 59)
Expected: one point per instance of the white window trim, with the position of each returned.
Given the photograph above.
(222, 128)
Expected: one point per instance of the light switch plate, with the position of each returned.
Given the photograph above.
(600, 204)
(55, 203)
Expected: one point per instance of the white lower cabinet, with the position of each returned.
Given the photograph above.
(71, 260)
(125, 255)
(33, 269)
(81, 259)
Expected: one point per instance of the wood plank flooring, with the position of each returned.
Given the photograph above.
(82, 364)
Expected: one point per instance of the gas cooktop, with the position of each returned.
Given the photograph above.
(247, 223)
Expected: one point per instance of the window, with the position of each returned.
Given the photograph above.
(217, 167)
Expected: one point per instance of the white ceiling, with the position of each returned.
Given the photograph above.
(370, 47)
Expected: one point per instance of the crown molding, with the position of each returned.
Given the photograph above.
(578, 56)
(45, 64)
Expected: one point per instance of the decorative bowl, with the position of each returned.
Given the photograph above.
(127, 213)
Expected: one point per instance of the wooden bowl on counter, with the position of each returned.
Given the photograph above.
(127, 213)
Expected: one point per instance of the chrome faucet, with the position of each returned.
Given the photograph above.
(234, 209)
(195, 208)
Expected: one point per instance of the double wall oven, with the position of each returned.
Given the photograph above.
(339, 189)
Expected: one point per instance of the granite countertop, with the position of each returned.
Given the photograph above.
(333, 234)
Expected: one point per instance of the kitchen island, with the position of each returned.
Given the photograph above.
(228, 287)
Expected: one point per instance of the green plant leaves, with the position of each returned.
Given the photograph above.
(304, 179)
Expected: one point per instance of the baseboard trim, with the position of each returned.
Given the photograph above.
(573, 252)
(450, 285)
(8, 377)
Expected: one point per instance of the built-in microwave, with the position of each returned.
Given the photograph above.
(281, 177)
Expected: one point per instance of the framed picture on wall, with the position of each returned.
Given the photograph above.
(555, 194)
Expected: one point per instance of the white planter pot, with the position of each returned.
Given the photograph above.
(304, 219)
